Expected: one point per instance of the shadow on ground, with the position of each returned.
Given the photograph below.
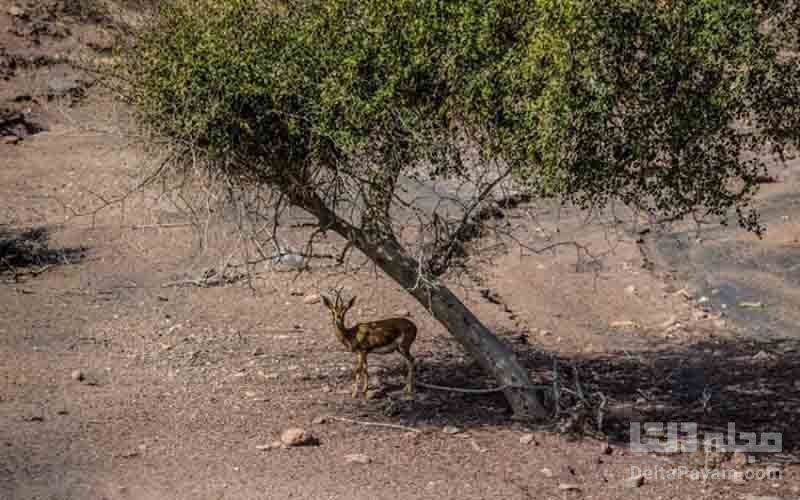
(26, 252)
(711, 383)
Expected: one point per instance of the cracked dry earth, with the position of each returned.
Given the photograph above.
(113, 386)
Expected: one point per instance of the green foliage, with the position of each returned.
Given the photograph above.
(640, 100)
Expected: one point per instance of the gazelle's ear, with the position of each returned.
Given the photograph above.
(327, 302)
(352, 301)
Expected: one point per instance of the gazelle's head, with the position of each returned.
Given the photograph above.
(338, 307)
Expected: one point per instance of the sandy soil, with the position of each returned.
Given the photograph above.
(113, 386)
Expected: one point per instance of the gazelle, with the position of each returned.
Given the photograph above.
(379, 337)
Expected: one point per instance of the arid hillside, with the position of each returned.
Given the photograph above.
(125, 376)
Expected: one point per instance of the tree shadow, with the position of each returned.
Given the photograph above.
(26, 252)
(753, 385)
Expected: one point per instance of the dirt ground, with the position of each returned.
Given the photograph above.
(114, 386)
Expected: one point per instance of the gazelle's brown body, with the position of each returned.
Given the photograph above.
(379, 337)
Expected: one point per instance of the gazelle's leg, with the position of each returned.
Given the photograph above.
(410, 373)
(356, 374)
(365, 375)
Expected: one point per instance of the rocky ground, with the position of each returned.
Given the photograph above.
(115, 385)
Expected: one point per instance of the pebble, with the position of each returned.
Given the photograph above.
(298, 437)
(526, 439)
(452, 429)
(78, 376)
(357, 458)
(314, 298)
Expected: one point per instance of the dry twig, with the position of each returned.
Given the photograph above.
(376, 424)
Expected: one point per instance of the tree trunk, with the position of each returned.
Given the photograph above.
(494, 356)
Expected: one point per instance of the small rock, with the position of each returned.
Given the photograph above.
(298, 437)
(703, 300)
(403, 312)
(699, 314)
(320, 420)
(452, 429)
(630, 289)
(547, 472)
(606, 449)
(258, 351)
(314, 298)
(526, 439)
(15, 11)
(78, 376)
(357, 458)
(10, 140)
(568, 487)
(634, 481)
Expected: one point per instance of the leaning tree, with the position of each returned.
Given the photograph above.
(346, 109)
